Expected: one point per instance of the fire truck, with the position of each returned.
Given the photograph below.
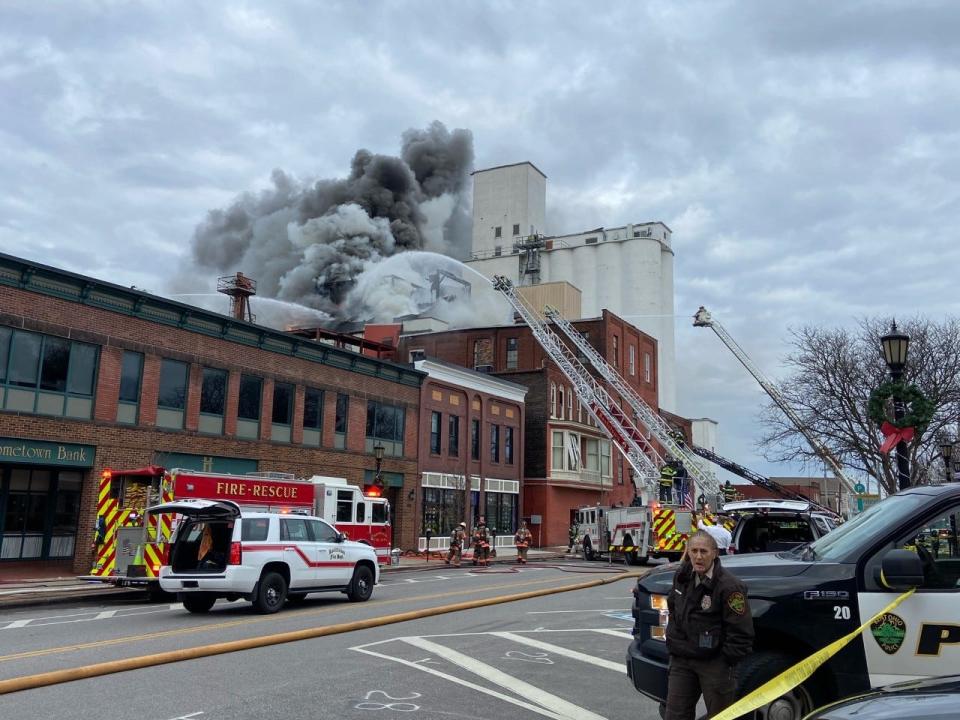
(635, 533)
(130, 545)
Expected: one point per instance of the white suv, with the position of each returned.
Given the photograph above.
(221, 551)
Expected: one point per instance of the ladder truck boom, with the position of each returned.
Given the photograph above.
(639, 452)
(754, 477)
(705, 481)
(704, 319)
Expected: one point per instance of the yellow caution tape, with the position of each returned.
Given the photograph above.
(790, 678)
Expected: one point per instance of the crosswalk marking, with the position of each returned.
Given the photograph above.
(16, 624)
(547, 700)
(565, 652)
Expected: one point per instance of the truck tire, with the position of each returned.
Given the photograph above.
(756, 669)
(198, 603)
(361, 586)
(271, 593)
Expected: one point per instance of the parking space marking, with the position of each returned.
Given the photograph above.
(558, 612)
(91, 616)
(558, 650)
(551, 702)
(615, 633)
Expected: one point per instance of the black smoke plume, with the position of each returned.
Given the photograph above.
(308, 243)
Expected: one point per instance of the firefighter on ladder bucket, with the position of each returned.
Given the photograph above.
(522, 541)
(667, 473)
(481, 544)
(729, 492)
(457, 536)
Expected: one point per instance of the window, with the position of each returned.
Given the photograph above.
(569, 403)
(592, 456)
(344, 506)
(312, 416)
(213, 394)
(340, 421)
(321, 531)
(254, 529)
(378, 513)
(508, 445)
(557, 459)
(494, 443)
(616, 351)
(385, 427)
(474, 439)
(417, 355)
(605, 458)
(560, 402)
(248, 407)
(497, 231)
(553, 400)
(131, 372)
(294, 529)
(501, 512)
(512, 353)
(282, 413)
(483, 355)
(442, 509)
(361, 509)
(633, 360)
(590, 241)
(46, 375)
(573, 452)
(453, 436)
(516, 229)
(435, 420)
(172, 398)
(646, 367)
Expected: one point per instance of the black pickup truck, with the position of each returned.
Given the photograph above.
(807, 597)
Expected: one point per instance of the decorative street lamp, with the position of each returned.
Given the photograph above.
(895, 346)
(946, 450)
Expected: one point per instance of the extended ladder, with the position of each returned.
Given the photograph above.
(704, 319)
(638, 451)
(706, 483)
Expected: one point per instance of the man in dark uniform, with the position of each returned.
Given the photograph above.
(667, 473)
(709, 632)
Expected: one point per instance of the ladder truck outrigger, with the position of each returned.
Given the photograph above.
(703, 318)
(645, 529)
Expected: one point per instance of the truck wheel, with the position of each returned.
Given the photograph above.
(271, 593)
(198, 602)
(758, 668)
(361, 586)
(588, 553)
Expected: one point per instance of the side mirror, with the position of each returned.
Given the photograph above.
(900, 570)
(341, 537)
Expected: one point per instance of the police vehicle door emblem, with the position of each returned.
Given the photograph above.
(705, 603)
(889, 630)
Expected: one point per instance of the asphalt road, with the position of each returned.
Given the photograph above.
(559, 656)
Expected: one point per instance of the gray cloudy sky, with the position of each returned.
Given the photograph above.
(804, 153)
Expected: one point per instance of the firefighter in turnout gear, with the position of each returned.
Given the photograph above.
(572, 536)
(729, 492)
(481, 544)
(457, 536)
(667, 473)
(710, 631)
(522, 541)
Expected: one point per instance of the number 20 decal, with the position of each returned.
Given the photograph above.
(841, 612)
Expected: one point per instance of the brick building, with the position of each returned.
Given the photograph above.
(93, 375)
(472, 427)
(568, 460)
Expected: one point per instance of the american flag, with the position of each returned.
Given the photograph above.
(686, 499)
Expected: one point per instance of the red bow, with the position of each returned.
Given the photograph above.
(893, 435)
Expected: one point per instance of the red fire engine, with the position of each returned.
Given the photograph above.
(129, 550)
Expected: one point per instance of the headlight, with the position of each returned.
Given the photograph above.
(659, 631)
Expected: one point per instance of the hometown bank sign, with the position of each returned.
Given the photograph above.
(37, 452)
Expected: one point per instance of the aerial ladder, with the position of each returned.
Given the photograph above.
(639, 452)
(754, 477)
(704, 319)
(706, 482)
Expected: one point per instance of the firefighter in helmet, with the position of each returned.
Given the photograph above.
(457, 536)
(481, 544)
(667, 473)
(522, 541)
(729, 492)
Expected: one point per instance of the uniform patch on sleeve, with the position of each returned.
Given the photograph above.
(737, 602)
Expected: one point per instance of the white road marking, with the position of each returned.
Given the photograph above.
(16, 624)
(105, 614)
(615, 633)
(557, 612)
(85, 617)
(187, 717)
(488, 672)
(465, 683)
(562, 651)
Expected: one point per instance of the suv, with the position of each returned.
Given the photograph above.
(775, 525)
(221, 551)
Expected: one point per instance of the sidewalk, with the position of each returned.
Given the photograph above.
(48, 586)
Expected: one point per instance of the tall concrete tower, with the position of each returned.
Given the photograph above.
(627, 270)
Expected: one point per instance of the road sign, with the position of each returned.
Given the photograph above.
(859, 504)
(859, 488)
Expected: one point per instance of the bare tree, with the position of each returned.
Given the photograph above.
(834, 371)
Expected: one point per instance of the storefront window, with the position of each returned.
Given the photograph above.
(40, 517)
(501, 512)
(442, 510)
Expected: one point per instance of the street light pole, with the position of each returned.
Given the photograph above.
(946, 449)
(378, 450)
(895, 345)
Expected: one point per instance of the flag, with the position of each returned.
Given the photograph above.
(686, 499)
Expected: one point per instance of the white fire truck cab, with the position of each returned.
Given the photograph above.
(636, 533)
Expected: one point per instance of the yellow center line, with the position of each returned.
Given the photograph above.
(260, 619)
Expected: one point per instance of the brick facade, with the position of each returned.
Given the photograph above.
(120, 445)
